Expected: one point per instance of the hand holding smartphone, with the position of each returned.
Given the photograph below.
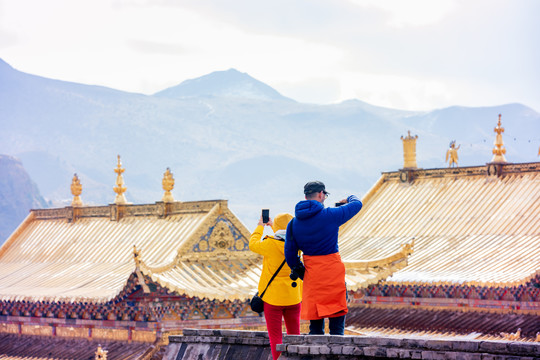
(265, 215)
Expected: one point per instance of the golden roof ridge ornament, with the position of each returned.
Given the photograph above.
(409, 151)
(452, 155)
(119, 189)
(168, 185)
(76, 191)
(100, 353)
(140, 277)
(499, 150)
(136, 256)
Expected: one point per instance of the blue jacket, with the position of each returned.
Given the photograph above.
(315, 228)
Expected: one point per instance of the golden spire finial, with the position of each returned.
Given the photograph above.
(119, 189)
(409, 151)
(499, 150)
(168, 185)
(101, 354)
(76, 190)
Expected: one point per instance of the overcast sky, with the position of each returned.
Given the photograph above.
(407, 54)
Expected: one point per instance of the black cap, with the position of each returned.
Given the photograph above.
(314, 187)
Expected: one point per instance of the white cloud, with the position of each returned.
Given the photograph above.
(411, 12)
(411, 54)
(403, 92)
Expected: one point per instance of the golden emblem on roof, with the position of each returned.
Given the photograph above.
(221, 238)
(499, 150)
(76, 191)
(119, 189)
(168, 185)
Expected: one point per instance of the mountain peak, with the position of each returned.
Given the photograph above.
(3, 63)
(5, 68)
(226, 83)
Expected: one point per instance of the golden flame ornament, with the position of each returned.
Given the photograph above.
(499, 150)
(168, 185)
(76, 191)
(119, 189)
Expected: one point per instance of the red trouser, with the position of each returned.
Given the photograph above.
(274, 315)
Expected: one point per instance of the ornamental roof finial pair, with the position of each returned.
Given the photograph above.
(120, 188)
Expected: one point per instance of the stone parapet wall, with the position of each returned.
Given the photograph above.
(237, 344)
(210, 344)
(318, 347)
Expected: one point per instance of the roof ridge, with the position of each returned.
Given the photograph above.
(479, 170)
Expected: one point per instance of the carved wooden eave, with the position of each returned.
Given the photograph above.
(362, 273)
(396, 258)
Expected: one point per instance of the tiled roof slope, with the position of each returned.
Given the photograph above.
(20, 347)
(475, 325)
(468, 227)
(87, 254)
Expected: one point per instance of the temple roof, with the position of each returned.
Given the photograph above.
(470, 225)
(198, 249)
(87, 253)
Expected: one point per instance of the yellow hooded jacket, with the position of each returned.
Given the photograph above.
(280, 292)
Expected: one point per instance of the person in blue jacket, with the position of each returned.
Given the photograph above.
(314, 232)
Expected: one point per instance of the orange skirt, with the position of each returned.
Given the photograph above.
(324, 294)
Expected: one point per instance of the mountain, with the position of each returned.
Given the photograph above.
(18, 194)
(230, 83)
(226, 135)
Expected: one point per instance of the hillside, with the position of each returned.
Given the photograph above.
(227, 135)
(18, 194)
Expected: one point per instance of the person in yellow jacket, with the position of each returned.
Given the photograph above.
(282, 299)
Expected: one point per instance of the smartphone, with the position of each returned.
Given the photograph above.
(340, 203)
(265, 215)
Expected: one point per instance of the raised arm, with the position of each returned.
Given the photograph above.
(345, 212)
